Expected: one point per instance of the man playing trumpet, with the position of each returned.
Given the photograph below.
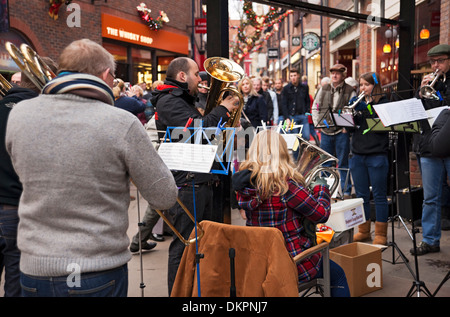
(434, 170)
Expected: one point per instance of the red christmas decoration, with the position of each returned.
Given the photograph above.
(54, 7)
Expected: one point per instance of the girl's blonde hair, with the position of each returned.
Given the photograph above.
(271, 165)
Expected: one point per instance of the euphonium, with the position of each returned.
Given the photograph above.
(224, 72)
(428, 92)
(310, 160)
(30, 64)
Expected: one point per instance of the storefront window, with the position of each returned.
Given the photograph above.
(163, 63)
(120, 55)
(142, 65)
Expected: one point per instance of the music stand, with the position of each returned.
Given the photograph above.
(323, 123)
(191, 152)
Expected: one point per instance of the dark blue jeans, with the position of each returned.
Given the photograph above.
(110, 283)
(371, 171)
(339, 146)
(10, 254)
(338, 280)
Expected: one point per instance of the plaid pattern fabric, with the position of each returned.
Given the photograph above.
(286, 213)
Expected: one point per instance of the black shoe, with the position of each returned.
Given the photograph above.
(424, 248)
(157, 237)
(144, 246)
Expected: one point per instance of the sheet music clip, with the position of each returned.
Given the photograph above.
(198, 149)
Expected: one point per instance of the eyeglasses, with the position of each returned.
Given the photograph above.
(439, 61)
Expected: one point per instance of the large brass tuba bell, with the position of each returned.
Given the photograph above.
(310, 160)
(30, 64)
(224, 72)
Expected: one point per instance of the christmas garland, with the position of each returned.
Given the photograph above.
(54, 7)
(263, 27)
(153, 24)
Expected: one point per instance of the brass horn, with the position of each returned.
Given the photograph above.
(224, 72)
(4, 85)
(310, 160)
(30, 64)
(428, 92)
(177, 233)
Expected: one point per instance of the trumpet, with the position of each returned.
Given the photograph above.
(30, 64)
(428, 92)
(349, 109)
(4, 85)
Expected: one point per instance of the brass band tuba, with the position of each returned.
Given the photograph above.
(224, 72)
(310, 160)
(30, 64)
(4, 85)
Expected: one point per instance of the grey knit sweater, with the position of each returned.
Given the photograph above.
(75, 157)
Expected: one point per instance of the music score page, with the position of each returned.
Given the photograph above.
(408, 110)
(188, 157)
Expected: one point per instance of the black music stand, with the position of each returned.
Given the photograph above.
(418, 285)
(323, 123)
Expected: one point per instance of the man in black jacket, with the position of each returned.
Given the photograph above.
(434, 170)
(174, 103)
(295, 103)
(10, 185)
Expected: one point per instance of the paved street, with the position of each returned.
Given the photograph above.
(397, 278)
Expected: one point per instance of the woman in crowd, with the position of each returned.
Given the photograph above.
(255, 108)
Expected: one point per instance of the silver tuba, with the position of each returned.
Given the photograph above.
(310, 160)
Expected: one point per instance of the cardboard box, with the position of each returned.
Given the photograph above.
(346, 214)
(362, 265)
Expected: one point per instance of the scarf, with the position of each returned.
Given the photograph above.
(83, 85)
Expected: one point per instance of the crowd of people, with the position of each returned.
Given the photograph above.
(68, 181)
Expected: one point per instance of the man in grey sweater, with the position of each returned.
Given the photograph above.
(75, 154)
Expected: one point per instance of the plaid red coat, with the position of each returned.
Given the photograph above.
(287, 213)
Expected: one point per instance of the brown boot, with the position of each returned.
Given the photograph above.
(363, 233)
(380, 233)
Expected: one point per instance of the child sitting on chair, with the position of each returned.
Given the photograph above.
(273, 194)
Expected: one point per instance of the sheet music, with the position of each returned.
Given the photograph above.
(434, 113)
(402, 111)
(344, 120)
(188, 157)
(290, 139)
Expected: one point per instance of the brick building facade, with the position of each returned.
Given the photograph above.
(30, 22)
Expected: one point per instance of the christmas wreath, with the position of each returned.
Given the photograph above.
(153, 24)
(54, 7)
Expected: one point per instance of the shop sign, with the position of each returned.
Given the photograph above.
(296, 41)
(272, 53)
(138, 33)
(310, 41)
(200, 25)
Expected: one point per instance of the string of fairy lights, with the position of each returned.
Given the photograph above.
(255, 29)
